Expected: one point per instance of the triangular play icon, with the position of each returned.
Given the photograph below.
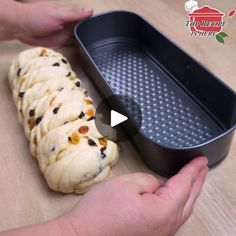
(117, 118)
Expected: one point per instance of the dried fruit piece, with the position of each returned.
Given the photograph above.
(92, 142)
(31, 112)
(78, 84)
(83, 129)
(72, 78)
(60, 89)
(56, 64)
(81, 115)
(102, 150)
(88, 101)
(37, 121)
(31, 123)
(64, 60)
(91, 118)
(21, 80)
(52, 100)
(74, 138)
(43, 52)
(102, 141)
(35, 140)
(21, 94)
(69, 74)
(18, 72)
(55, 110)
(90, 112)
(103, 155)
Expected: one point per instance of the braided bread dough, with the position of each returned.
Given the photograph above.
(58, 120)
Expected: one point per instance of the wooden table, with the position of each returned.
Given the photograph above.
(25, 198)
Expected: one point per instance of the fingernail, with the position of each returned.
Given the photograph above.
(87, 10)
(205, 160)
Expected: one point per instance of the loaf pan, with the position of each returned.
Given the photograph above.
(186, 110)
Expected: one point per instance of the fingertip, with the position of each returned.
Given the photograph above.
(84, 13)
(204, 159)
(73, 14)
(87, 11)
(195, 166)
(201, 160)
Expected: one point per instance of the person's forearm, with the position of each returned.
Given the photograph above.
(10, 19)
(57, 227)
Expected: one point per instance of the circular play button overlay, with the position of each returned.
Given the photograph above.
(118, 118)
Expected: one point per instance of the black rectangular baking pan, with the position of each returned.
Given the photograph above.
(186, 110)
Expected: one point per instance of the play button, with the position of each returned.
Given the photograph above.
(116, 114)
(117, 118)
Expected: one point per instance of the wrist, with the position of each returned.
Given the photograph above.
(65, 226)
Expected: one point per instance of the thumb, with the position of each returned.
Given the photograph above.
(72, 14)
(178, 188)
(141, 183)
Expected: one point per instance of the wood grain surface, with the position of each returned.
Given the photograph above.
(24, 195)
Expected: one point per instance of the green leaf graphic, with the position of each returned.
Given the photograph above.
(223, 34)
(220, 39)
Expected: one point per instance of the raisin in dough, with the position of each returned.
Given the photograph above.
(58, 120)
(83, 162)
(45, 88)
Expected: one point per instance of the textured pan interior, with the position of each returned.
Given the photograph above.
(169, 115)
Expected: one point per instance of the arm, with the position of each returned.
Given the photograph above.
(56, 227)
(41, 23)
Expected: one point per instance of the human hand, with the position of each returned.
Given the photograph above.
(138, 204)
(48, 23)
